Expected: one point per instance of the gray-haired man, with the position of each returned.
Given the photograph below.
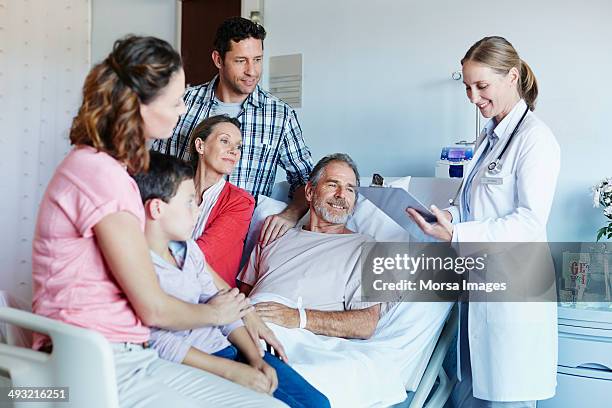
(316, 267)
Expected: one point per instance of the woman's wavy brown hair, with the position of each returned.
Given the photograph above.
(109, 118)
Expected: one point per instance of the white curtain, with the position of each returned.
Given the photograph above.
(44, 57)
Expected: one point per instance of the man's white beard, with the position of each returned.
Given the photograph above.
(328, 216)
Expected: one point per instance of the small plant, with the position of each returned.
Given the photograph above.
(602, 196)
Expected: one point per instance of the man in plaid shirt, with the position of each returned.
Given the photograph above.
(271, 133)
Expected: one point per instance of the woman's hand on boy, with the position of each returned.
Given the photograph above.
(229, 306)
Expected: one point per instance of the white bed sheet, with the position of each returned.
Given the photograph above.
(367, 373)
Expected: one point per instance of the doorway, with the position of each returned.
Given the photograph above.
(199, 22)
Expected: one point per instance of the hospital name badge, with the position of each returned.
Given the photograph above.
(492, 180)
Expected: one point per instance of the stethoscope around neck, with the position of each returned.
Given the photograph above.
(495, 166)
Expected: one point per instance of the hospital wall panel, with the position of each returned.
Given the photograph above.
(44, 57)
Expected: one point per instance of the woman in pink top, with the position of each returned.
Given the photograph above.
(225, 210)
(91, 264)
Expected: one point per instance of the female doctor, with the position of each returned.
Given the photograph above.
(507, 351)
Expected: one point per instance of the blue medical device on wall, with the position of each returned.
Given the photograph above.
(453, 159)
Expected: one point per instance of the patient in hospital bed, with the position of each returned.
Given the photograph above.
(224, 349)
(312, 274)
(307, 286)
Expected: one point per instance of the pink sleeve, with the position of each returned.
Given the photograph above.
(89, 214)
(91, 195)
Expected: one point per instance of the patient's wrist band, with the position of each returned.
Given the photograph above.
(302, 313)
(302, 318)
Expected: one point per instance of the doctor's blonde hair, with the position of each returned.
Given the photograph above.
(498, 54)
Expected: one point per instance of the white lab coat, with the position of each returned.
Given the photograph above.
(513, 346)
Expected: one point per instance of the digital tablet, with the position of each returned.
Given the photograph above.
(393, 201)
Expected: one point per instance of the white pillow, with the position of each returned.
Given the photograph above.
(370, 220)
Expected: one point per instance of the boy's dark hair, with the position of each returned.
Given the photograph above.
(236, 29)
(163, 178)
(203, 130)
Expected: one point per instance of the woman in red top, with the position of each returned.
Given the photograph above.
(225, 210)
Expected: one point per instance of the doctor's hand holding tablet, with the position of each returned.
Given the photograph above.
(442, 229)
(508, 356)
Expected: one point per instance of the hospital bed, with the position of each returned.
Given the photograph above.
(425, 380)
(82, 359)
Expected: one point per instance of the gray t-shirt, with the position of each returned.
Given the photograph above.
(222, 108)
(322, 269)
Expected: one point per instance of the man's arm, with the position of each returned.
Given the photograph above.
(296, 160)
(275, 226)
(351, 324)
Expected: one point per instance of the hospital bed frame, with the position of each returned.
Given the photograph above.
(434, 374)
(82, 361)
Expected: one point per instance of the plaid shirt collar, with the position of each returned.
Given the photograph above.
(256, 98)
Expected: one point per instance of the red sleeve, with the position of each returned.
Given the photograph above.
(223, 238)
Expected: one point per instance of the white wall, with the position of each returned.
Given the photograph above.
(44, 57)
(377, 83)
(45, 49)
(112, 19)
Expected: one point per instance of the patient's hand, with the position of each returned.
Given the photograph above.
(229, 305)
(279, 314)
(257, 329)
(275, 226)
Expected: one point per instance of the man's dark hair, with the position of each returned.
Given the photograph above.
(203, 130)
(237, 29)
(163, 178)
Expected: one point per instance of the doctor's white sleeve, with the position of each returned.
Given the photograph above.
(538, 161)
(454, 212)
